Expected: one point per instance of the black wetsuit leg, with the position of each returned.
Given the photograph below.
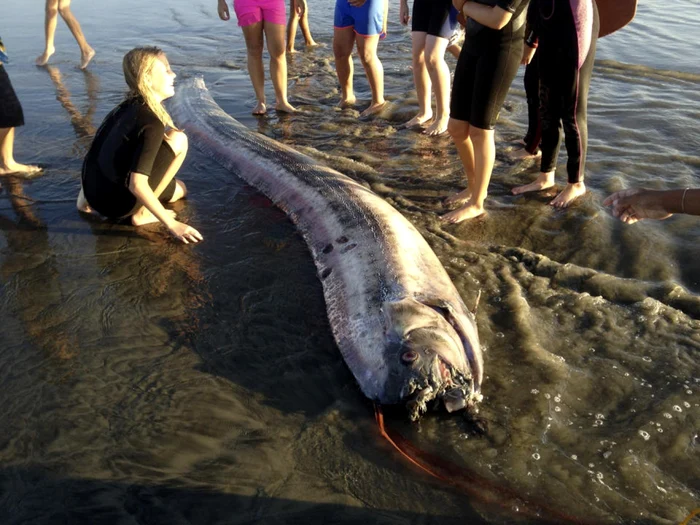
(532, 93)
(564, 95)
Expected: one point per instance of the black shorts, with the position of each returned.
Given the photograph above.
(481, 83)
(11, 114)
(435, 17)
(114, 200)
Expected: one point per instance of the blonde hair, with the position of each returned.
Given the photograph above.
(138, 65)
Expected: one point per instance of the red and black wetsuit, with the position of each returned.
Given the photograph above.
(565, 34)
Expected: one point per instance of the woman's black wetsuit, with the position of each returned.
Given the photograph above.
(130, 140)
(435, 17)
(487, 66)
(532, 93)
(565, 33)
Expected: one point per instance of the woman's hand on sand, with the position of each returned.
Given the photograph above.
(635, 205)
(528, 53)
(184, 232)
(223, 10)
(404, 14)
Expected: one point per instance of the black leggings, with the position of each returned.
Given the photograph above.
(564, 100)
(532, 93)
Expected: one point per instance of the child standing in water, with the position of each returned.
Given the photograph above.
(362, 22)
(263, 20)
(298, 16)
(564, 34)
(433, 25)
(131, 166)
(486, 67)
(11, 116)
(62, 7)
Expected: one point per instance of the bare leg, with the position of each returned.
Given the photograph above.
(7, 160)
(459, 131)
(343, 42)
(292, 24)
(177, 140)
(254, 45)
(85, 50)
(49, 32)
(421, 79)
(454, 50)
(440, 77)
(274, 33)
(484, 158)
(304, 24)
(367, 49)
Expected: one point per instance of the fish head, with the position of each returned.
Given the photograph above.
(435, 356)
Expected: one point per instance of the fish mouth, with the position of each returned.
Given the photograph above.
(439, 380)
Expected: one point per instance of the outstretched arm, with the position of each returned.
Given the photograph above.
(635, 205)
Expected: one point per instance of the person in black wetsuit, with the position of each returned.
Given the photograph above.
(130, 168)
(564, 34)
(485, 70)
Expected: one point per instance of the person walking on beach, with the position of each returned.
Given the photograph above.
(62, 7)
(263, 21)
(485, 70)
(298, 17)
(433, 25)
(11, 116)
(564, 35)
(129, 171)
(362, 22)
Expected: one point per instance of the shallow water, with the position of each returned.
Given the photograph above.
(147, 382)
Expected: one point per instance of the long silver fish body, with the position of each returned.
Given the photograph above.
(399, 322)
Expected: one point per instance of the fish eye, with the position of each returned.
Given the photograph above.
(409, 357)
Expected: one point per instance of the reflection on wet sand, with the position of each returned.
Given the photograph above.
(82, 121)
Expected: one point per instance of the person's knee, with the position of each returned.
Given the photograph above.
(177, 141)
(180, 191)
(340, 50)
(434, 61)
(480, 135)
(64, 8)
(458, 129)
(52, 7)
(368, 57)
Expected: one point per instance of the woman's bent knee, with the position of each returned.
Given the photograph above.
(458, 129)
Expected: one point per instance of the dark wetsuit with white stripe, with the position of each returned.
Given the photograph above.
(565, 32)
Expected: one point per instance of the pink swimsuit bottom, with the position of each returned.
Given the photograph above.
(254, 11)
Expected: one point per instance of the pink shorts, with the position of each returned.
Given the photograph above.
(253, 11)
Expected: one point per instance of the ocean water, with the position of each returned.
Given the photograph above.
(143, 381)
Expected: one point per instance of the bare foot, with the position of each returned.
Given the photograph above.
(16, 167)
(419, 121)
(43, 59)
(569, 195)
(285, 107)
(347, 102)
(144, 216)
(466, 212)
(523, 154)
(438, 128)
(260, 109)
(86, 57)
(542, 182)
(82, 204)
(458, 198)
(373, 109)
(291, 50)
(312, 43)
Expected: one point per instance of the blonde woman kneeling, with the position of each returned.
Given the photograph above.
(131, 166)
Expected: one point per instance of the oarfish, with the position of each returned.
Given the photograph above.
(398, 320)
